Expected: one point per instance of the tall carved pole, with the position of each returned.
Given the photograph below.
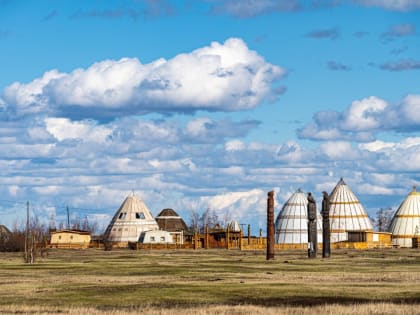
(312, 228)
(270, 226)
(325, 212)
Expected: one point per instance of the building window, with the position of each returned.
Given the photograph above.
(71, 237)
(152, 238)
(122, 215)
(140, 215)
(59, 237)
(162, 238)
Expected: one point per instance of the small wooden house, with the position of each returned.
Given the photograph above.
(70, 239)
(156, 237)
(366, 240)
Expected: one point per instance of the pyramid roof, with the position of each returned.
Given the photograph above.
(346, 213)
(169, 220)
(292, 221)
(132, 218)
(406, 221)
(234, 226)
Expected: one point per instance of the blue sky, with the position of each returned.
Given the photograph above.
(205, 104)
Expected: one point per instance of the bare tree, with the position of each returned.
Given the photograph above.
(194, 220)
(52, 222)
(77, 224)
(91, 227)
(383, 219)
(209, 217)
(61, 226)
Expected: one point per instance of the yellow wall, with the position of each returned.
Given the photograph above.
(69, 239)
(373, 240)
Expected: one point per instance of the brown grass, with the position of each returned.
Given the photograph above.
(329, 309)
(211, 282)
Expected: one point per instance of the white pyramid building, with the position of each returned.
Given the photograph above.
(234, 226)
(292, 221)
(346, 213)
(406, 222)
(132, 218)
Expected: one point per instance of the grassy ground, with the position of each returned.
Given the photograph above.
(211, 282)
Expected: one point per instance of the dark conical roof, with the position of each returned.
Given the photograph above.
(168, 212)
(169, 220)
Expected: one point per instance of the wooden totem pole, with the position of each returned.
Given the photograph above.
(325, 212)
(312, 228)
(270, 226)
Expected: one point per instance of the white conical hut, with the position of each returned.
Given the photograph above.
(292, 222)
(346, 213)
(406, 222)
(132, 218)
(234, 226)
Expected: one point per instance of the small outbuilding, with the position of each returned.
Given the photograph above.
(366, 240)
(156, 237)
(70, 239)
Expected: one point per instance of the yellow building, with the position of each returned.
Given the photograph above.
(70, 239)
(365, 240)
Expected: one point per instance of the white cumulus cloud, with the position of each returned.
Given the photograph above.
(363, 119)
(218, 77)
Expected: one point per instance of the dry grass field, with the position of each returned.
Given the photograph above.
(211, 282)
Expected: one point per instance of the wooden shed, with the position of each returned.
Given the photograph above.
(70, 239)
(366, 240)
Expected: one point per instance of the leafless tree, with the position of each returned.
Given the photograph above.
(207, 218)
(194, 220)
(383, 219)
(89, 226)
(35, 240)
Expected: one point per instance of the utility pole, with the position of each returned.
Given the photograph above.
(68, 218)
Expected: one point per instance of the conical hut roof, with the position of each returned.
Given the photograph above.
(292, 221)
(132, 218)
(169, 220)
(346, 213)
(406, 222)
(234, 226)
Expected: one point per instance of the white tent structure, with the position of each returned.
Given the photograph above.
(346, 213)
(234, 226)
(132, 218)
(292, 221)
(406, 222)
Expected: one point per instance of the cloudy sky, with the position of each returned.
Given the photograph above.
(205, 104)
